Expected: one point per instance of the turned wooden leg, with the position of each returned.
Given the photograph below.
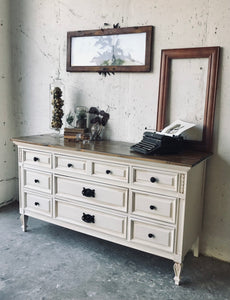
(177, 267)
(195, 247)
(24, 220)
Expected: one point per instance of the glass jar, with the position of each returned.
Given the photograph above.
(70, 119)
(81, 116)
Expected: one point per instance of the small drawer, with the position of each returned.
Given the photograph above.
(110, 171)
(91, 218)
(152, 235)
(70, 164)
(36, 158)
(154, 206)
(37, 204)
(155, 178)
(40, 181)
(94, 193)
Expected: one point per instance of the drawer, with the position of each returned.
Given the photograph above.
(40, 181)
(155, 178)
(70, 164)
(94, 193)
(37, 204)
(110, 171)
(151, 235)
(36, 158)
(91, 218)
(154, 206)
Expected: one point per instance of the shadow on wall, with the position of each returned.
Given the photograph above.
(216, 222)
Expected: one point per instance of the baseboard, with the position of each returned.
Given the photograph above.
(8, 202)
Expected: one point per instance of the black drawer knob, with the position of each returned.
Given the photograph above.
(153, 179)
(36, 180)
(70, 165)
(88, 218)
(153, 207)
(151, 236)
(108, 171)
(36, 158)
(88, 192)
(36, 203)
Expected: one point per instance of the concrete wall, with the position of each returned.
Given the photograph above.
(8, 173)
(38, 40)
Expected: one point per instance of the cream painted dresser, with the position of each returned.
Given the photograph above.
(149, 203)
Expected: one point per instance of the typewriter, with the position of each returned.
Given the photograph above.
(154, 142)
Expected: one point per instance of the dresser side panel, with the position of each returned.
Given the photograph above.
(193, 206)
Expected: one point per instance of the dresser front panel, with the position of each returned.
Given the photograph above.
(37, 180)
(110, 171)
(103, 221)
(154, 206)
(70, 164)
(35, 203)
(155, 178)
(152, 235)
(37, 159)
(104, 195)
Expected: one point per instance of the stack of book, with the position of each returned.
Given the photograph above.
(70, 133)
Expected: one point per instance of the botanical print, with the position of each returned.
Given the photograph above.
(109, 50)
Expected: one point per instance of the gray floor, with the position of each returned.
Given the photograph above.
(50, 262)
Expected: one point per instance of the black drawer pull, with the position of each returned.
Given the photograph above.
(36, 180)
(88, 218)
(88, 192)
(151, 236)
(153, 207)
(70, 165)
(108, 171)
(153, 179)
(36, 158)
(36, 203)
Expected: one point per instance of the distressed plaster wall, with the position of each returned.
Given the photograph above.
(8, 187)
(38, 40)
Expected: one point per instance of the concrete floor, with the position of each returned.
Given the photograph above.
(50, 262)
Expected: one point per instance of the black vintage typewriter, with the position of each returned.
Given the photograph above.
(154, 142)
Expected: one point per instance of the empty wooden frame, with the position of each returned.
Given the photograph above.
(110, 50)
(212, 54)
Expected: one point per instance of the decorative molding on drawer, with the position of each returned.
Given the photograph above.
(70, 164)
(152, 235)
(182, 183)
(37, 159)
(39, 204)
(154, 206)
(155, 178)
(110, 171)
(98, 220)
(37, 180)
(90, 192)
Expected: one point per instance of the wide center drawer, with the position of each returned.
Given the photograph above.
(94, 193)
(91, 218)
(40, 181)
(154, 206)
(110, 171)
(152, 235)
(155, 178)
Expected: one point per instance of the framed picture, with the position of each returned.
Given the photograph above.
(183, 73)
(110, 50)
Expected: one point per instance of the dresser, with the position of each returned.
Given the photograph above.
(151, 203)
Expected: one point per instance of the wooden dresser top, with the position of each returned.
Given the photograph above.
(113, 148)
